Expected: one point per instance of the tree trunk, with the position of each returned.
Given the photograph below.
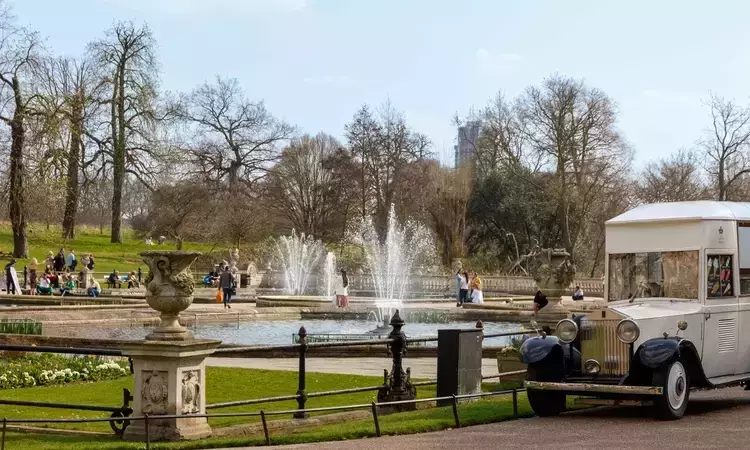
(17, 194)
(722, 187)
(74, 157)
(118, 142)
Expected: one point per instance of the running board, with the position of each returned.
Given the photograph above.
(606, 402)
(728, 380)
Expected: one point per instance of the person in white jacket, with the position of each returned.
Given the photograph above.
(342, 291)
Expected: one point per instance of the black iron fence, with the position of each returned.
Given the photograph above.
(397, 381)
(373, 407)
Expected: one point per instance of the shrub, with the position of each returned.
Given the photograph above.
(47, 369)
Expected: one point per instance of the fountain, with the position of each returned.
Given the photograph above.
(299, 254)
(329, 273)
(390, 263)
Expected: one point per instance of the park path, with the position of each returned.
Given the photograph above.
(420, 367)
(715, 420)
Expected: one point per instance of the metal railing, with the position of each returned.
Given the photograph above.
(395, 381)
(372, 406)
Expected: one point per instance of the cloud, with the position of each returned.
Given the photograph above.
(328, 79)
(493, 64)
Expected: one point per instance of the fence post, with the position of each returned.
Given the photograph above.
(301, 394)
(265, 427)
(515, 404)
(375, 418)
(5, 424)
(455, 411)
(145, 427)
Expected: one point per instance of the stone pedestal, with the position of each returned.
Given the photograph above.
(170, 379)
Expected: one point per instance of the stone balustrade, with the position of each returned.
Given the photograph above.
(420, 285)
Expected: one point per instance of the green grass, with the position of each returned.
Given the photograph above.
(227, 384)
(479, 412)
(123, 257)
(222, 385)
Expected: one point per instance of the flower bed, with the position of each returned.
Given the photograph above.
(46, 369)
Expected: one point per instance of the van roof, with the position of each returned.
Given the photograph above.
(685, 211)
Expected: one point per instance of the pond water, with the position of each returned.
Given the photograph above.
(281, 332)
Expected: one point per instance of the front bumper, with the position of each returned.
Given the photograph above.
(588, 388)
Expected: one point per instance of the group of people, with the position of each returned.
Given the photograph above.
(114, 280)
(469, 287)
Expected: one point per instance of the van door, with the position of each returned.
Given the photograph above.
(720, 314)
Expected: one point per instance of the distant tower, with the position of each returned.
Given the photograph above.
(468, 137)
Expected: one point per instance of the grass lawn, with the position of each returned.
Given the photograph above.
(227, 384)
(474, 413)
(123, 257)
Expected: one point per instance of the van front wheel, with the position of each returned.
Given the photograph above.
(674, 381)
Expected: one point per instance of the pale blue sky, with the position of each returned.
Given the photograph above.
(314, 62)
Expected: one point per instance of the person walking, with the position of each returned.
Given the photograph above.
(10, 273)
(226, 281)
(463, 288)
(71, 261)
(59, 261)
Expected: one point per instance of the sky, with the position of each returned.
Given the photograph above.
(315, 62)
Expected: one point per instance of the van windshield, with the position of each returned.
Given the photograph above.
(656, 274)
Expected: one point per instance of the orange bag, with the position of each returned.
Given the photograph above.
(219, 296)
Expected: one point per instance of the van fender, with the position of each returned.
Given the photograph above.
(658, 353)
(538, 348)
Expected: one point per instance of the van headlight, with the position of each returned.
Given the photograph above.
(566, 331)
(628, 331)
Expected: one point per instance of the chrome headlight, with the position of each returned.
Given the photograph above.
(628, 331)
(566, 331)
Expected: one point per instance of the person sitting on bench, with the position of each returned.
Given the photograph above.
(114, 281)
(68, 286)
(44, 287)
(578, 294)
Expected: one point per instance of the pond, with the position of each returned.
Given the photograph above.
(281, 332)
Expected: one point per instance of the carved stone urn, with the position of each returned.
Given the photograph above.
(553, 277)
(169, 287)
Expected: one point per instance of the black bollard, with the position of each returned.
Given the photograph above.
(301, 393)
(397, 385)
(25, 276)
(139, 275)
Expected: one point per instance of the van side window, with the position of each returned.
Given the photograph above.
(743, 230)
(719, 276)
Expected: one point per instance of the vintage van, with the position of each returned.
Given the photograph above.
(677, 282)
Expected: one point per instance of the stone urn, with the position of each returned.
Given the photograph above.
(553, 277)
(169, 287)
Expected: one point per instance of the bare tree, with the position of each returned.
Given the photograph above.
(180, 211)
(384, 144)
(237, 139)
(726, 144)
(573, 128)
(127, 53)
(673, 179)
(449, 207)
(301, 186)
(19, 49)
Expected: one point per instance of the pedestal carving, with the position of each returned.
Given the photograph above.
(191, 390)
(155, 392)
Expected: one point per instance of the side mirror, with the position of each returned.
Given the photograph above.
(682, 325)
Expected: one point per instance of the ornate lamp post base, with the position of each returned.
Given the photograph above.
(170, 379)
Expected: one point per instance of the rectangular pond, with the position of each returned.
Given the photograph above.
(281, 332)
